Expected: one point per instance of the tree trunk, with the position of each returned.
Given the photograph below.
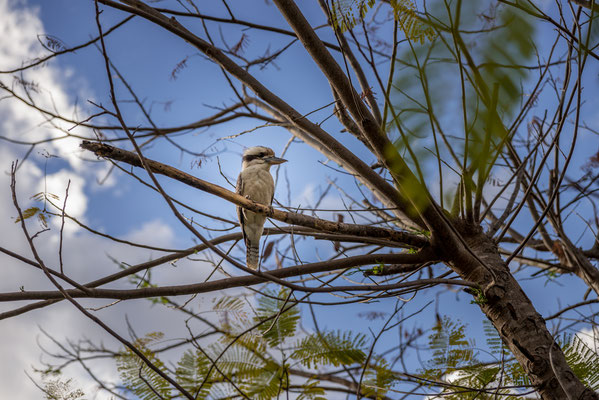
(521, 328)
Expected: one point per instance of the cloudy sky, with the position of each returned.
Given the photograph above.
(49, 167)
(119, 206)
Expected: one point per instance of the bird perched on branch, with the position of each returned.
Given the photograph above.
(255, 182)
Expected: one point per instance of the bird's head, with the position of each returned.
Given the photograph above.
(260, 156)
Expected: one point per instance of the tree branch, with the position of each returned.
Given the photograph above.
(113, 153)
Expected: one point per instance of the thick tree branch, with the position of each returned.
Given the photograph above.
(249, 280)
(113, 153)
(385, 151)
(354, 162)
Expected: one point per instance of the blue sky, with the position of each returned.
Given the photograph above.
(122, 207)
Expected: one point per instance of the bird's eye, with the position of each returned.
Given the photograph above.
(261, 155)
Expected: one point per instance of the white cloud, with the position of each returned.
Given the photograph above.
(154, 233)
(19, 27)
(85, 255)
(57, 184)
(590, 337)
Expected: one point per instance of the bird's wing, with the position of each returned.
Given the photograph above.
(239, 190)
(273, 192)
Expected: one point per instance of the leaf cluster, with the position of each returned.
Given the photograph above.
(456, 361)
(42, 214)
(345, 14)
(257, 362)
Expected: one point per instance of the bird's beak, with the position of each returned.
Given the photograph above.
(275, 160)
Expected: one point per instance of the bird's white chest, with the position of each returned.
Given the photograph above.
(258, 185)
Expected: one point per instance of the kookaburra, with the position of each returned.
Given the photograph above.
(255, 182)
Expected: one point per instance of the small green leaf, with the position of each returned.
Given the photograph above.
(331, 348)
(28, 213)
(283, 326)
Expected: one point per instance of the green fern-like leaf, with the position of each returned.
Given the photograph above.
(223, 391)
(252, 342)
(255, 372)
(377, 379)
(330, 348)
(450, 334)
(346, 14)
(28, 213)
(583, 360)
(517, 374)
(41, 196)
(512, 372)
(283, 326)
(269, 383)
(451, 350)
(138, 377)
(414, 29)
(238, 360)
(191, 371)
(454, 361)
(38, 196)
(492, 337)
(43, 220)
(232, 312)
(312, 391)
(228, 303)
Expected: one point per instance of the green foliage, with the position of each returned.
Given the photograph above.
(583, 360)
(42, 214)
(28, 213)
(488, 61)
(404, 12)
(268, 383)
(479, 296)
(493, 340)
(274, 331)
(239, 360)
(333, 348)
(231, 310)
(378, 379)
(451, 349)
(379, 268)
(43, 196)
(495, 89)
(409, 185)
(245, 361)
(454, 360)
(345, 14)
(311, 391)
(191, 370)
(137, 376)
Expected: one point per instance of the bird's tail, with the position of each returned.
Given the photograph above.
(252, 256)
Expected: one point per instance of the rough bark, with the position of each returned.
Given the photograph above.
(581, 265)
(512, 313)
